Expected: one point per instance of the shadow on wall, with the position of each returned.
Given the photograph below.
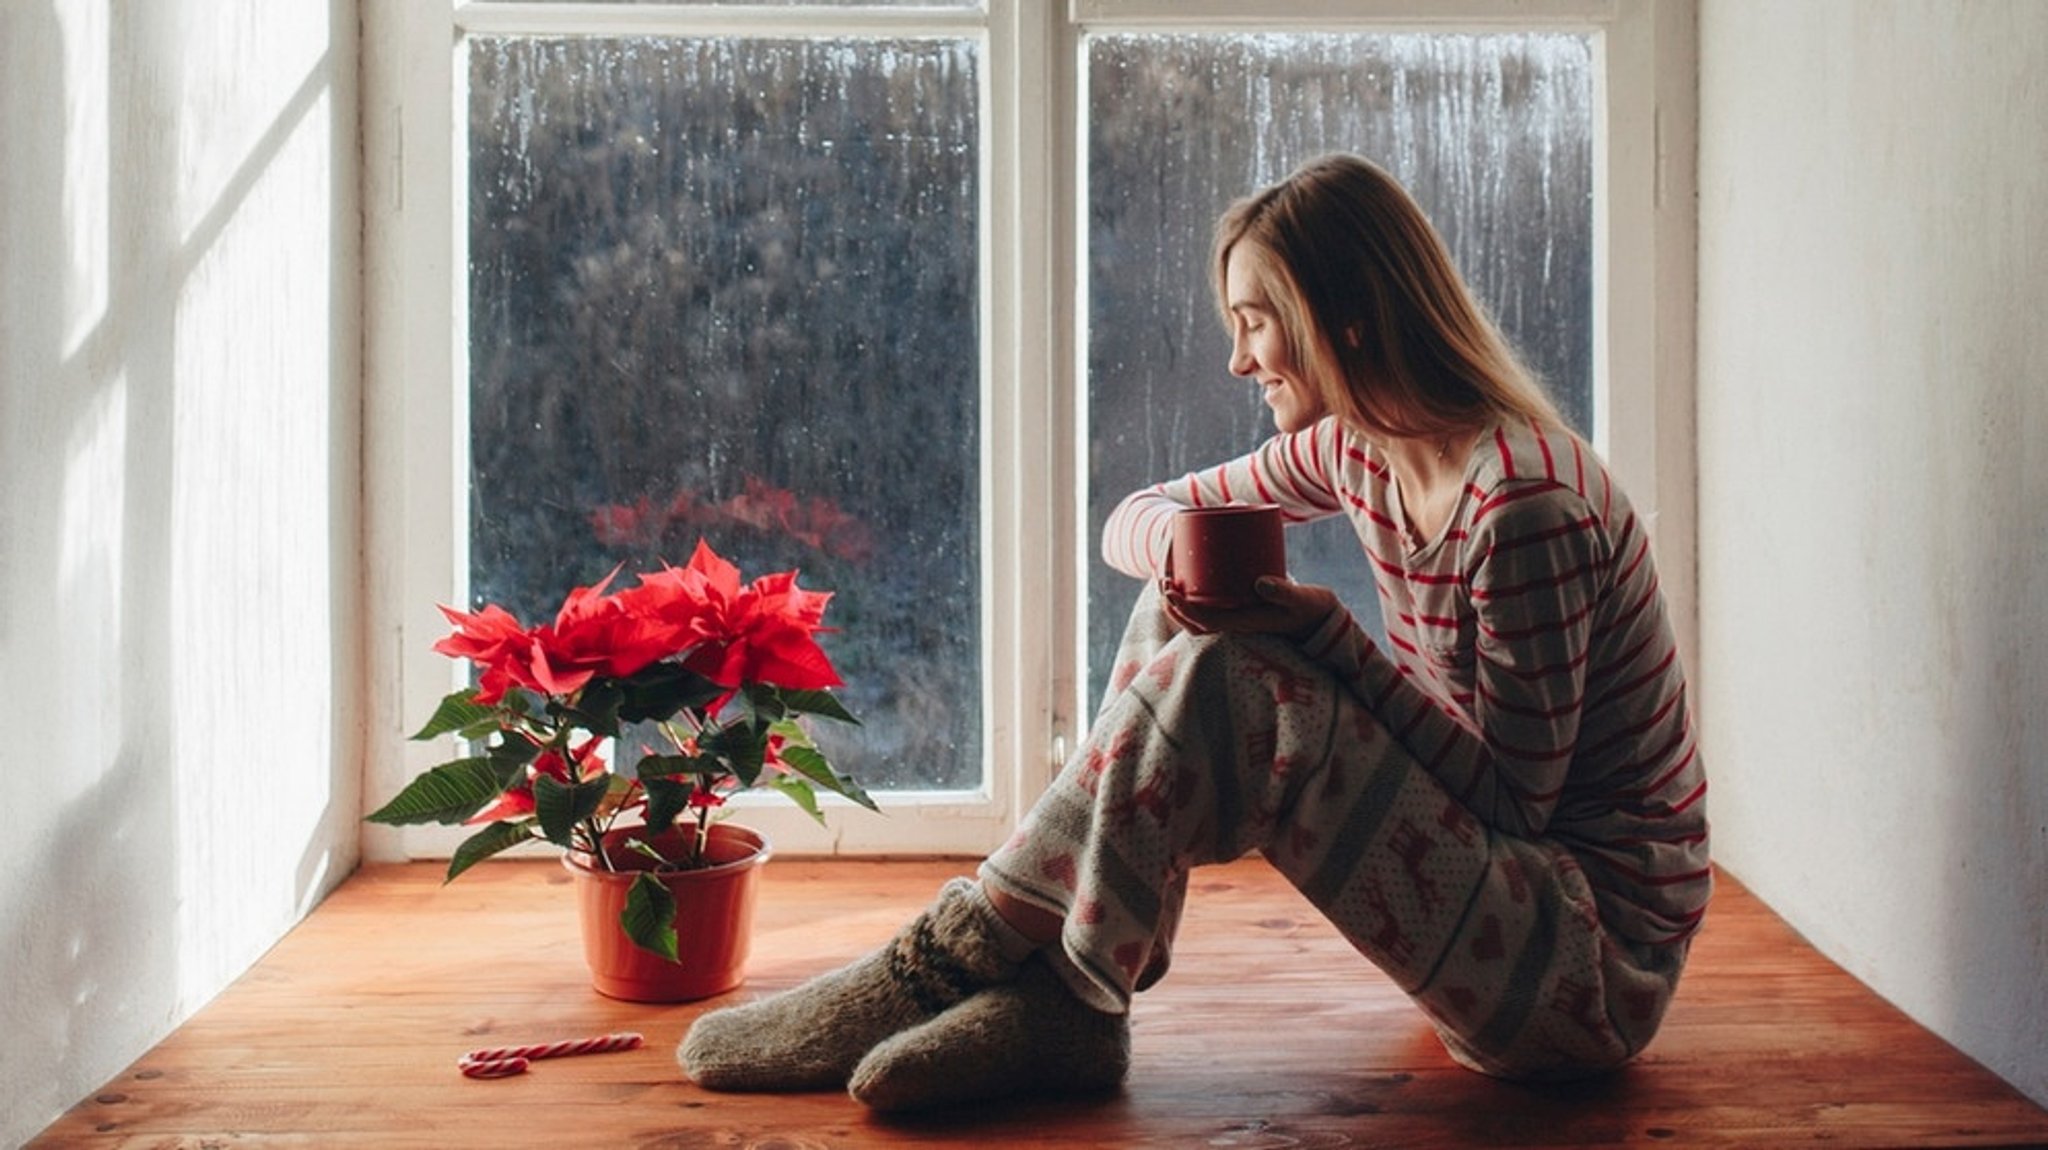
(1995, 918)
(1989, 571)
(176, 413)
(88, 913)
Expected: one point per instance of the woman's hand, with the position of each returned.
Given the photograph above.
(1291, 610)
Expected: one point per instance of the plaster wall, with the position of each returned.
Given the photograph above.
(179, 357)
(1873, 493)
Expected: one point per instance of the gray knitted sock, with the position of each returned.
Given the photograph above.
(1030, 1036)
(810, 1037)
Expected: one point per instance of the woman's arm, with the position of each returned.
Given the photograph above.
(1536, 561)
(1292, 471)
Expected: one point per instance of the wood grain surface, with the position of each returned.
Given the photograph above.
(1270, 1032)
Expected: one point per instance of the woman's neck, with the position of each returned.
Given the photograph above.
(1429, 470)
(1424, 462)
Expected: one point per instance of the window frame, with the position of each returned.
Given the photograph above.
(1033, 303)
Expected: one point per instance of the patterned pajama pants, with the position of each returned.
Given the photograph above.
(1210, 747)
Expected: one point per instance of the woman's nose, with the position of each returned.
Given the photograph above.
(1241, 362)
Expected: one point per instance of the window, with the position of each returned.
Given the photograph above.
(725, 288)
(905, 296)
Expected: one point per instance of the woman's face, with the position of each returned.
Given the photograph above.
(1258, 347)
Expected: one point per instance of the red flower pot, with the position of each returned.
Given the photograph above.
(714, 916)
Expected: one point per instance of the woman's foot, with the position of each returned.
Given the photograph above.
(1030, 1036)
(810, 1037)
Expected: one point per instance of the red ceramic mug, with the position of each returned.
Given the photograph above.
(1219, 553)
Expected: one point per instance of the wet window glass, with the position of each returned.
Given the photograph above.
(727, 288)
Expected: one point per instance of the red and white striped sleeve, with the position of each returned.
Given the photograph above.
(1537, 560)
(1295, 472)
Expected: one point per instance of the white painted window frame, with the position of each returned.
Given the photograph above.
(1032, 305)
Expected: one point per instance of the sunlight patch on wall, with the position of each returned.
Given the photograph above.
(92, 520)
(251, 563)
(247, 60)
(86, 76)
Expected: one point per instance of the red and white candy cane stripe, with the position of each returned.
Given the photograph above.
(495, 1068)
(599, 1045)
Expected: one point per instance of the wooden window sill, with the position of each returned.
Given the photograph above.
(1269, 1032)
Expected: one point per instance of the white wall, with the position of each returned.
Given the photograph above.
(1873, 391)
(178, 429)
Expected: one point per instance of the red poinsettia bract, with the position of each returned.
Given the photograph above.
(731, 633)
(593, 633)
(760, 632)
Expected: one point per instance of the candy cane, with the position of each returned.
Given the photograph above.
(502, 1061)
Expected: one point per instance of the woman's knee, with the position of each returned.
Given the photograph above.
(1219, 660)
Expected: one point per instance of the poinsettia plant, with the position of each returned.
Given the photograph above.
(723, 673)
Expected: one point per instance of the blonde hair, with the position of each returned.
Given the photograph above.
(1373, 310)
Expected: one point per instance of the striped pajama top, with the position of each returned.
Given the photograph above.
(1530, 664)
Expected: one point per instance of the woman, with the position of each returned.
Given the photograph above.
(1503, 809)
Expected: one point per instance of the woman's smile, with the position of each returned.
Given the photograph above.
(1260, 350)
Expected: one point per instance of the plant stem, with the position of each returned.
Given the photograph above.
(595, 838)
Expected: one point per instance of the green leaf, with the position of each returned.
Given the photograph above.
(447, 794)
(801, 794)
(809, 763)
(458, 712)
(657, 692)
(657, 766)
(666, 798)
(823, 703)
(793, 732)
(742, 746)
(492, 839)
(650, 916)
(763, 701)
(597, 708)
(511, 755)
(560, 807)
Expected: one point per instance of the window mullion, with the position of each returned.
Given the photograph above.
(1031, 655)
(414, 443)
